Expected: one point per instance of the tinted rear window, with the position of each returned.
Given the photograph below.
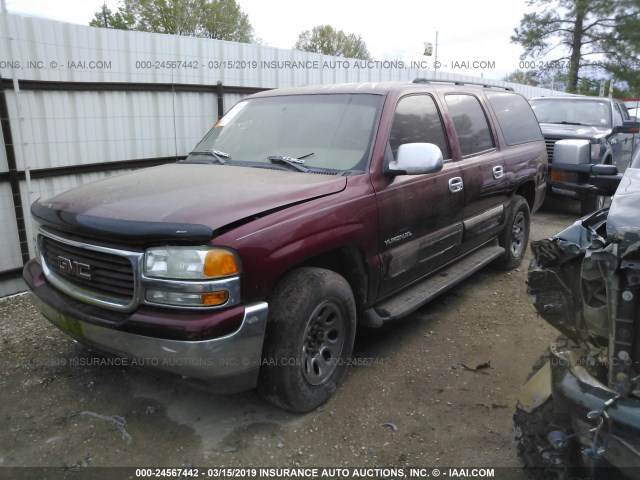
(470, 122)
(517, 121)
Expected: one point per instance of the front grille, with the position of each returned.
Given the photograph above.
(105, 274)
(550, 146)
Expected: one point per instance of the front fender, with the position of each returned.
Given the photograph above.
(271, 246)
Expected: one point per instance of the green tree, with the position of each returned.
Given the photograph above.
(575, 33)
(556, 79)
(225, 20)
(329, 41)
(553, 78)
(624, 47)
(523, 78)
(219, 19)
(123, 19)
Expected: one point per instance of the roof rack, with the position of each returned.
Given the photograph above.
(459, 82)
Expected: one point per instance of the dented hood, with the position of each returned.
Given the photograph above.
(172, 197)
(624, 213)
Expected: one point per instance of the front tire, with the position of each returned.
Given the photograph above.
(309, 339)
(515, 236)
(591, 204)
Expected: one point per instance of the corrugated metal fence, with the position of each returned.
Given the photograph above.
(80, 103)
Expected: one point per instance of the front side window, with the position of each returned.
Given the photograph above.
(417, 120)
(472, 128)
(318, 131)
(617, 115)
(625, 113)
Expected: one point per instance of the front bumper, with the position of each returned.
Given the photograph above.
(576, 393)
(229, 363)
(579, 181)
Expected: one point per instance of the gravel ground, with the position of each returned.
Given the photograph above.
(416, 404)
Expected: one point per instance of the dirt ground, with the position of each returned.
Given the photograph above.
(415, 404)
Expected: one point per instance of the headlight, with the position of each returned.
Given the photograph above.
(190, 263)
(596, 148)
(191, 277)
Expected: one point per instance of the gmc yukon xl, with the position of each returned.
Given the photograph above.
(302, 214)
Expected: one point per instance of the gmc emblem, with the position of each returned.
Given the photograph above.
(74, 268)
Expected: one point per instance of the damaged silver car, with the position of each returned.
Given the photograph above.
(579, 413)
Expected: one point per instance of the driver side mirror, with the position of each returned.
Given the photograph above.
(417, 159)
(627, 127)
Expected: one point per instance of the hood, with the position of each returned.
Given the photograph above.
(623, 222)
(181, 195)
(573, 131)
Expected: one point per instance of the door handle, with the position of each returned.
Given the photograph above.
(455, 184)
(498, 172)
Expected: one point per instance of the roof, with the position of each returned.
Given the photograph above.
(578, 98)
(376, 88)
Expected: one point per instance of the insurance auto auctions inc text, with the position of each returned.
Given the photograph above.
(347, 473)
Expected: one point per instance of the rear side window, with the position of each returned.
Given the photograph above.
(417, 121)
(472, 128)
(517, 121)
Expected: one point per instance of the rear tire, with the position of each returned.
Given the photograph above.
(515, 236)
(309, 339)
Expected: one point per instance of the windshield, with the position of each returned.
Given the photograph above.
(318, 131)
(595, 113)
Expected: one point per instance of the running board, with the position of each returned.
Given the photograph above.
(409, 300)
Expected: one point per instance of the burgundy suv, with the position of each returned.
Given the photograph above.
(303, 213)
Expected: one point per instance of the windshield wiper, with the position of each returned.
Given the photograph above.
(571, 123)
(217, 154)
(297, 163)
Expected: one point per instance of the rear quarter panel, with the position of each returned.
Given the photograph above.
(524, 162)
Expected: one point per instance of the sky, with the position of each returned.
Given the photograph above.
(468, 30)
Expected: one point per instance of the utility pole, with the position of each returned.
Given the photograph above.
(611, 91)
(435, 71)
(104, 15)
